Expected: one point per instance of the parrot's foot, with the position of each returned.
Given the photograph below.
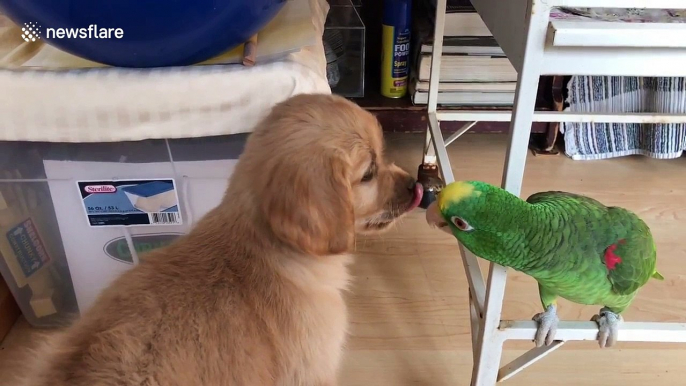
(608, 327)
(547, 326)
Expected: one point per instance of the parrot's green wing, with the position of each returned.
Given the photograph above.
(636, 249)
(621, 240)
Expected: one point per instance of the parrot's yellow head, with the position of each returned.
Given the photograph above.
(457, 202)
(478, 214)
(467, 207)
(456, 192)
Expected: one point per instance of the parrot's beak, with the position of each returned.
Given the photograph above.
(435, 219)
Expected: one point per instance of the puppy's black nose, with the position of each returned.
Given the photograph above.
(411, 184)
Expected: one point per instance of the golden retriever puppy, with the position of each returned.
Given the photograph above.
(252, 296)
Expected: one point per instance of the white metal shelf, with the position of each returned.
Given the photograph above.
(521, 28)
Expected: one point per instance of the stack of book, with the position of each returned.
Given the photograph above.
(474, 70)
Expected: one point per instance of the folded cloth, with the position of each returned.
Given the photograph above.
(116, 104)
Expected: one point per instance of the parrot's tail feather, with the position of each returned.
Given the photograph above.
(658, 276)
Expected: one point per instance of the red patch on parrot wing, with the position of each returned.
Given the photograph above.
(611, 259)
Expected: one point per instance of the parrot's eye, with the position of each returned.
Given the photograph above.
(461, 224)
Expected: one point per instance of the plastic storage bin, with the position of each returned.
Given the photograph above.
(63, 208)
(344, 40)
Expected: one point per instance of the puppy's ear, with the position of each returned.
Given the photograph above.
(308, 204)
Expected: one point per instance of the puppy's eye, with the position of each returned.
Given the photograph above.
(368, 176)
(461, 224)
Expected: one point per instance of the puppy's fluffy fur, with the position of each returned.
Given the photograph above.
(252, 295)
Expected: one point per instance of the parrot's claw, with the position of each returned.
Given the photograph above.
(608, 327)
(547, 326)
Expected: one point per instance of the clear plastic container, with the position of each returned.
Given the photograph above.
(69, 213)
(344, 44)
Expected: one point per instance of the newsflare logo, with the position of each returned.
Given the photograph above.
(32, 32)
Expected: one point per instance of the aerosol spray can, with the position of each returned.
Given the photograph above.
(395, 53)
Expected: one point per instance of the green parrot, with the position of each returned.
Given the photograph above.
(574, 246)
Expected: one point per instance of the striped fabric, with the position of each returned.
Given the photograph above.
(590, 141)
